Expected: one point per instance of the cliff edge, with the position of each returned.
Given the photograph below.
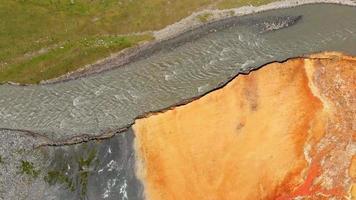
(284, 131)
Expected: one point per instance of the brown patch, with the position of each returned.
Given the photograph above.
(240, 126)
(250, 92)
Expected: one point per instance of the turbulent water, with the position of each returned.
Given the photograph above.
(115, 98)
(94, 170)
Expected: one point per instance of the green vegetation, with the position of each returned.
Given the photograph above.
(225, 4)
(204, 17)
(231, 13)
(83, 160)
(28, 169)
(58, 177)
(84, 172)
(43, 39)
(67, 57)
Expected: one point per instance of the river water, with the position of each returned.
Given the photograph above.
(113, 99)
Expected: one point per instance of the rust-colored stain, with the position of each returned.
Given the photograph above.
(286, 131)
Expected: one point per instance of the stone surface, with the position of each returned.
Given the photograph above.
(285, 131)
(16, 182)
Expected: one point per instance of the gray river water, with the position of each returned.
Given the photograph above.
(113, 99)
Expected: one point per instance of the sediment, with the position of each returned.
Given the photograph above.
(281, 132)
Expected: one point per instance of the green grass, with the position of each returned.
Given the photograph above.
(43, 39)
(225, 4)
(204, 17)
(67, 57)
(27, 168)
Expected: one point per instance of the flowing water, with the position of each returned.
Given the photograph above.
(115, 98)
(104, 170)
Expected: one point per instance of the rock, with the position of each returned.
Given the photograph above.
(284, 131)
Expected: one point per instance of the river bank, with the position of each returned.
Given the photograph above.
(100, 104)
(182, 32)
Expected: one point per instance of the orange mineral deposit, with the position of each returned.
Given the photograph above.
(284, 131)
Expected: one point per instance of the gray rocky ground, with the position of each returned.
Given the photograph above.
(20, 167)
(90, 171)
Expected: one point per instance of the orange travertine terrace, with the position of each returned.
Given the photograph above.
(284, 131)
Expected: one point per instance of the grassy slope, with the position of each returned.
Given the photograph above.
(42, 39)
(225, 4)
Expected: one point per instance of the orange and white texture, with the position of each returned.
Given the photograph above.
(286, 131)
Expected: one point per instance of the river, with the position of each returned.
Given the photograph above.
(113, 99)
